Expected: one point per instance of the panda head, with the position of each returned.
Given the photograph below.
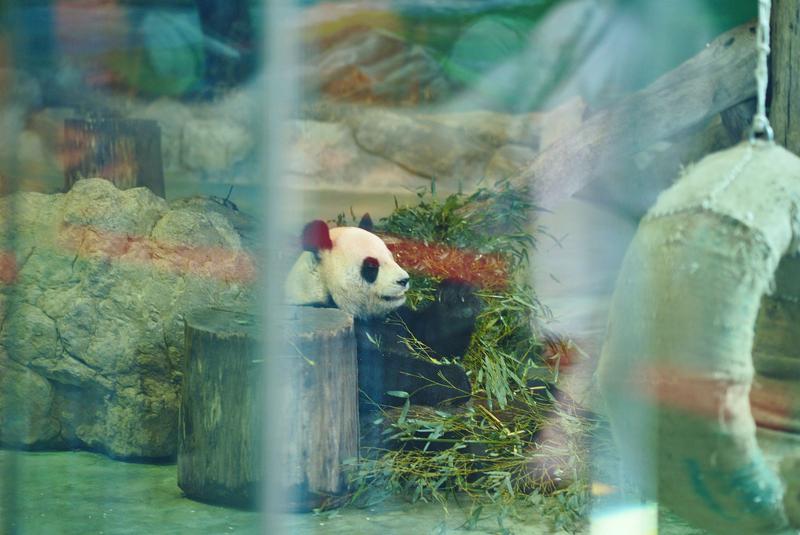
(351, 267)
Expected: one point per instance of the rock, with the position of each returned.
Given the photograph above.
(19, 94)
(12, 124)
(26, 404)
(186, 227)
(48, 124)
(92, 333)
(458, 149)
(495, 128)
(562, 121)
(208, 136)
(325, 155)
(486, 43)
(245, 225)
(373, 66)
(427, 148)
(507, 161)
(35, 159)
(212, 145)
(97, 203)
(35, 221)
(243, 106)
(39, 149)
(171, 116)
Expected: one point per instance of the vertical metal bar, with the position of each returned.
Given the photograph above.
(280, 98)
(9, 469)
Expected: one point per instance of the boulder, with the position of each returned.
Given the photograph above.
(205, 136)
(495, 128)
(91, 331)
(326, 155)
(426, 148)
(19, 94)
(171, 116)
(23, 387)
(372, 66)
(212, 145)
(507, 161)
(459, 149)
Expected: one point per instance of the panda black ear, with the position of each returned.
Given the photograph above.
(366, 223)
(317, 236)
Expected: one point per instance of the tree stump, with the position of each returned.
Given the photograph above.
(220, 419)
(320, 402)
(222, 407)
(126, 152)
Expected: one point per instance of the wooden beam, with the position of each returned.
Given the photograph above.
(717, 78)
(738, 120)
(785, 73)
(126, 152)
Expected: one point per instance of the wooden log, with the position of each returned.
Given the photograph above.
(221, 416)
(738, 120)
(125, 151)
(714, 80)
(775, 397)
(636, 182)
(785, 73)
(320, 429)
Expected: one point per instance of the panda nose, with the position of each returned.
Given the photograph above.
(403, 282)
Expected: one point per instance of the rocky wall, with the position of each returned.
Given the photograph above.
(93, 291)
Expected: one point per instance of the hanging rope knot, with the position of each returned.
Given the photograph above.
(761, 126)
(761, 129)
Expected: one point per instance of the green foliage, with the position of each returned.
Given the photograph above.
(491, 220)
(492, 465)
(486, 451)
(422, 290)
(496, 220)
(505, 346)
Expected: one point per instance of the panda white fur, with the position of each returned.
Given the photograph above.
(352, 269)
(350, 266)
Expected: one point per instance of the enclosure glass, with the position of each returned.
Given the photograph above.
(392, 266)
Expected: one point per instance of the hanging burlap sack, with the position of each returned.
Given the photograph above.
(677, 365)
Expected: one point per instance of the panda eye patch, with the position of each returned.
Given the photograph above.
(369, 269)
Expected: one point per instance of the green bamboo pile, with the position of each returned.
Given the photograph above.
(485, 453)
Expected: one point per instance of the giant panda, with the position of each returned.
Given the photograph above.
(352, 269)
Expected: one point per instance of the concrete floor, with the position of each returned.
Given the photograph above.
(81, 493)
(87, 493)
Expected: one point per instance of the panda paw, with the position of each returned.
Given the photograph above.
(447, 324)
(458, 297)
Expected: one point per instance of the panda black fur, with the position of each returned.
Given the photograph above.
(352, 269)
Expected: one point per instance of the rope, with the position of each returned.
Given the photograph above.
(761, 124)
